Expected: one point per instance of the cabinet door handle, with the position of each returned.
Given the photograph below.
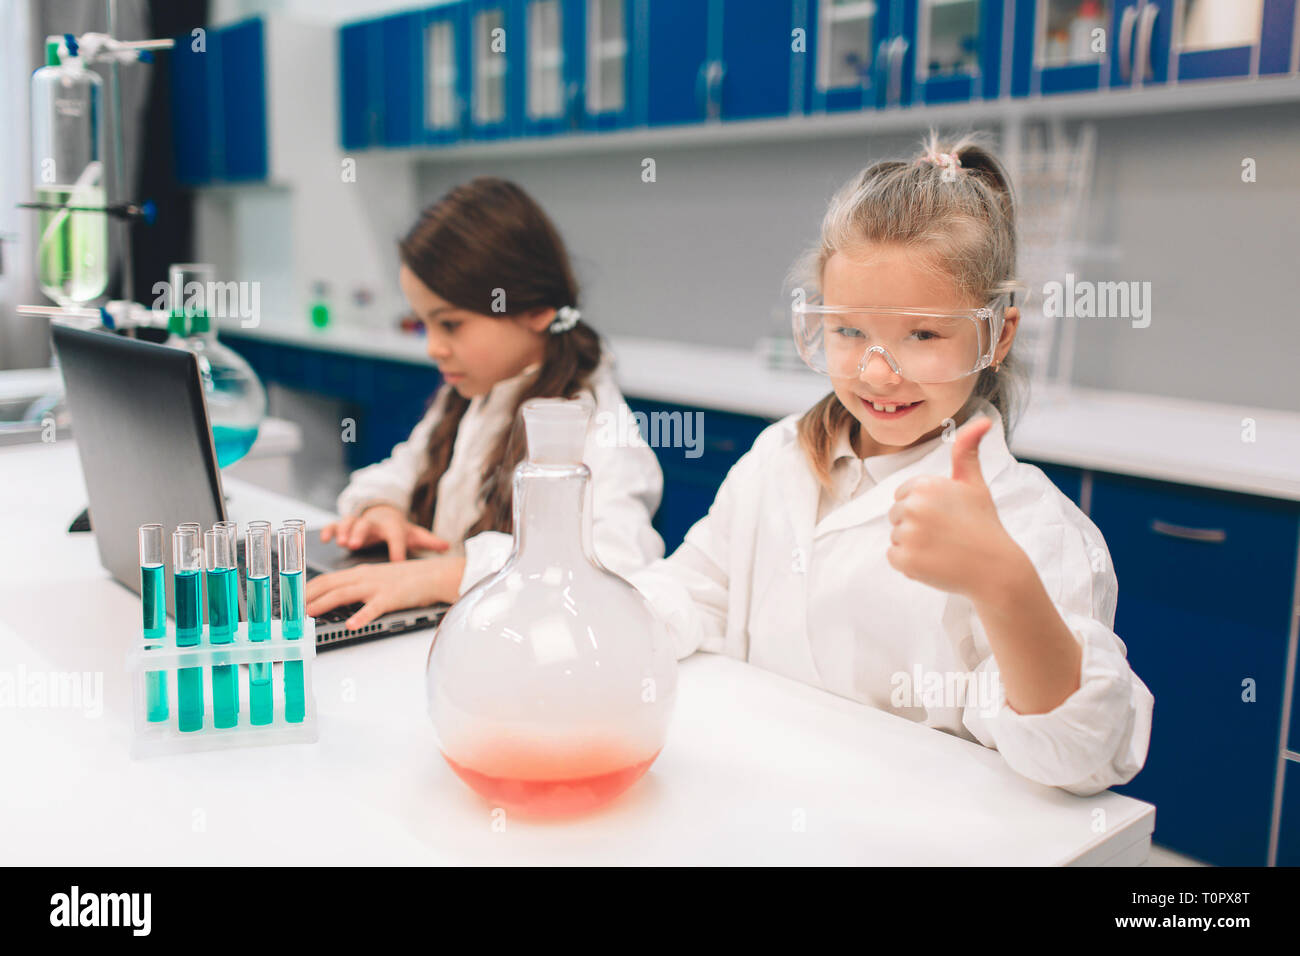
(1126, 24)
(1146, 27)
(1206, 535)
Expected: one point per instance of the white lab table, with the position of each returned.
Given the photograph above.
(757, 769)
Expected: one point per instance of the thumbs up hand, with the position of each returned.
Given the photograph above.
(946, 532)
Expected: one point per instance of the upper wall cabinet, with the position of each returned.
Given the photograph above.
(577, 65)
(958, 47)
(218, 92)
(491, 69)
(1064, 46)
(496, 76)
(381, 98)
(445, 72)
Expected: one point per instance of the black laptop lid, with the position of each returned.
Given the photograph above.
(142, 432)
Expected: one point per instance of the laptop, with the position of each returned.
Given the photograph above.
(141, 426)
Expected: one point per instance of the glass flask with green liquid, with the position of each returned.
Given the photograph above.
(68, 175)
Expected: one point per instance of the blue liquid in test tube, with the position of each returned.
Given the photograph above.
(292, 544)
(223, 617)
(153, 602)
(257, 556)
(187, 584)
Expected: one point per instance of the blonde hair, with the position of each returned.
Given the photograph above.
(953, 203)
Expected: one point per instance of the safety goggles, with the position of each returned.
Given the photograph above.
(923, 346)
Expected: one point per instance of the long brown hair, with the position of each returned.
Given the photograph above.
(483, 236)
(965, 221)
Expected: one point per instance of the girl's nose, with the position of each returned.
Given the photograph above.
(877, 370)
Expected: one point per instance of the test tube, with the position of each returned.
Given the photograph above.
(291, 541)
(232, 532)
(187, 584)
(257, 561)
(153, 605)
(222, 617)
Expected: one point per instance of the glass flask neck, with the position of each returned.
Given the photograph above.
(551, 524)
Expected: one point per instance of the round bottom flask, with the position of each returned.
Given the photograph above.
(552, 681)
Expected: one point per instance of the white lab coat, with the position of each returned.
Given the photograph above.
(622, 495)
(760, 579)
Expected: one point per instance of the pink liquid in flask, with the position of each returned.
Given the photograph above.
(530, 788)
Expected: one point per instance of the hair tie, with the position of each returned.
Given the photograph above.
(566, 317)
(948, 162)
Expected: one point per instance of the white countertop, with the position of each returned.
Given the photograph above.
(1179, 440)
(757, 768)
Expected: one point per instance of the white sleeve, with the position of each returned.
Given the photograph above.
(691, 589)
(622, 495)
(393, 479)
(1097, 737)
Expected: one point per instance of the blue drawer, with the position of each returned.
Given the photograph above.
(1204, 604)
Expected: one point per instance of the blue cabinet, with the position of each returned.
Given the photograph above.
(1206, 582)
(578, 65)
(677, 56)
(958, 46)
(443, 74)
(380, 65)
(1213, 39)
(855, 54)
(218, 94)
(496, 78)
(1068, 46)
(760, 74)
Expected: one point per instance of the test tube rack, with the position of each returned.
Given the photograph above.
(152, 738)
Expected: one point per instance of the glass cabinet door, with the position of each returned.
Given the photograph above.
(1223, 38)
(544, 82)
(607, 58)
(1067, 46)
(444, 75)
(850, 50)
(490, 51)
(959, 45)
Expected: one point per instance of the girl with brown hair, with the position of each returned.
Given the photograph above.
(885, 545)
(488, 273)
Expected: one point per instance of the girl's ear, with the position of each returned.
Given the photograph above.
(1010, 322)
(538, 319)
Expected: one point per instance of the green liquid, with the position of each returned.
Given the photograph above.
(291, 614)
(232, 443)
(189, 630)
(153, 601)
(222, 618)
(72, 248)
(260, 695)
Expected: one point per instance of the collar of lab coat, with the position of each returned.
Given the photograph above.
(801, 488)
